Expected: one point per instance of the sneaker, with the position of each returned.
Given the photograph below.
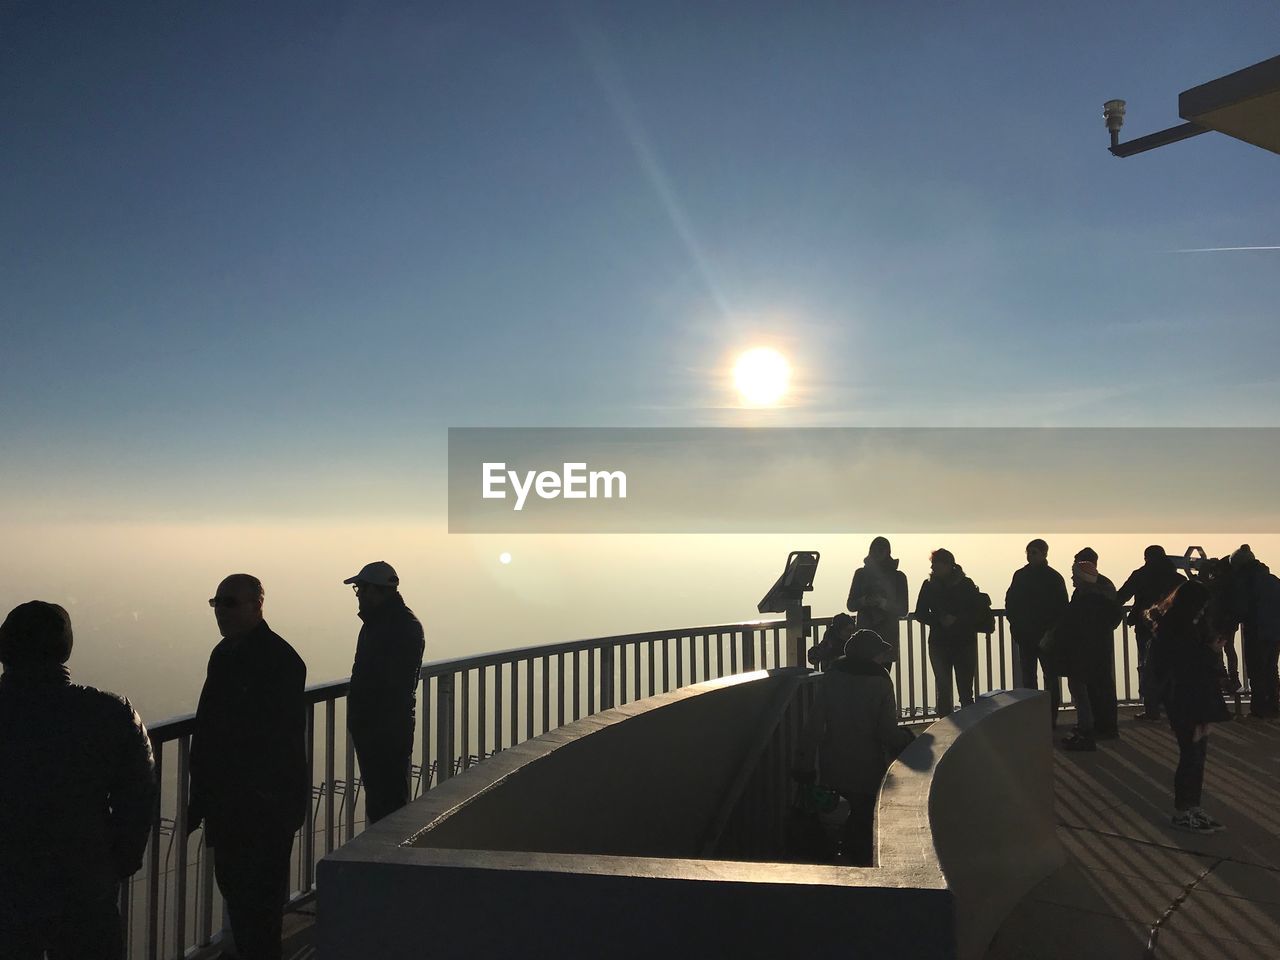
(1077, 742)
(1149, 718)
(1190, 821)
(1212, 823)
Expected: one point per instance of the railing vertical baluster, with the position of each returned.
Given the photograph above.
(560, 689)
(153, 865)
(911, 666)
(464, 717)
(706, 655)
(636, 681)
(666, 666)
(748, 649)
(1124, 646)
(777, 648)
(679, 662)
(990, 672)
(719, 655)
(180, 838)
(444, 727)
(591, 681)
(546, 694)
(309, 824)
(577, 685)
(329, 725)
(529, 733)
(623, 688)
(424, 747)
(606, 676)
(1000, 628)
(733, 652)
(482, 719)
(652, 668)
(349, 801)
(497, 707)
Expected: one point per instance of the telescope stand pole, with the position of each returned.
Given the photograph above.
(797, 639)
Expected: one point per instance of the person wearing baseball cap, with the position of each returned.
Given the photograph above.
(384, 685)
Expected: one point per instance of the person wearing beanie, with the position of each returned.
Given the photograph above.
(77, 790)
(384, 688)
(1035, 600)
(1088, 555)
(852, 735)
(250, 777)
(1256, 603)
(1086, 634)
(1147, 586)
(951, 606)
(878, 595)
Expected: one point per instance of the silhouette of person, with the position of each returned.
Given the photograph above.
(250, 784)
(77, 793)
(878, 595)
(1035, 600)
(831, 648)
(950, 605)
(1256, 600)
(384, 684)
(1184, 658)
(1147, 586)
(853, 732)
(1087, 630)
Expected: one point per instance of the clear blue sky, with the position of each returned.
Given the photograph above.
(283, 247)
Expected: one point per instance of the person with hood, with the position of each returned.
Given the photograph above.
(852, 735)
(1184, 656)
(1035, 600)
(77, 792)
(1147, 586)
(950, 606)
(250, 778)
(1086, 634)
(878, 595)
(1256, 603)
(831, 647)
(384, 685)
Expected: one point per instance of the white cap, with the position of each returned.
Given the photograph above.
(378, 574)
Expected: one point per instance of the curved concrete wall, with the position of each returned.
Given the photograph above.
(532, 852)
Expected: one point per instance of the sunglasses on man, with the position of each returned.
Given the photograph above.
(229, 603)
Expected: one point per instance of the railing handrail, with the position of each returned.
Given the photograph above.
(172, 728)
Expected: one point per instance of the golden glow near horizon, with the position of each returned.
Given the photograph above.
(761, 376)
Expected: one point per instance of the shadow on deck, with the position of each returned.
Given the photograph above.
(1136, 887)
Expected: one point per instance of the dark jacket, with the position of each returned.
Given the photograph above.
(853, 727)
(384, 676)
(1085, 636)
(1035, 600)
(77, 790)
(1184, 662)
(249, 773)
(959, 598)
(1255, 597)
(1147, 586)
(874, 581)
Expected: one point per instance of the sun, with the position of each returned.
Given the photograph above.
(761, 376)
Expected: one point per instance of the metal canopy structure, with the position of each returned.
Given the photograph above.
(1244, 105)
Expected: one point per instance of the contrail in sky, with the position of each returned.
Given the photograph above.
(1221, 249)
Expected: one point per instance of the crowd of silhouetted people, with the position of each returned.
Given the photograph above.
(1184, 633)
(78, 791)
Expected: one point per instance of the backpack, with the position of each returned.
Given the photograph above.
(984, 616)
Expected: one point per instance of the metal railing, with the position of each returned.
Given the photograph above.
(469, 709)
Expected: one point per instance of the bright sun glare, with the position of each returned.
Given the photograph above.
(761, 376)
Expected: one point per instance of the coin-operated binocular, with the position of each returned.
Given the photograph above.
(787, 596)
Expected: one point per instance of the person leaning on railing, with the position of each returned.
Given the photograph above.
(77, 789)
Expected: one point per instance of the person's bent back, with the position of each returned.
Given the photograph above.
(77, 788)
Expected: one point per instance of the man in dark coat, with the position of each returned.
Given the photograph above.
(1036, 598)
(878, 595)
(1087, 633)
(77, 793)
(950, 605)
(1147, 586)
(384, 684)
(1256, 602)
(250, 783)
